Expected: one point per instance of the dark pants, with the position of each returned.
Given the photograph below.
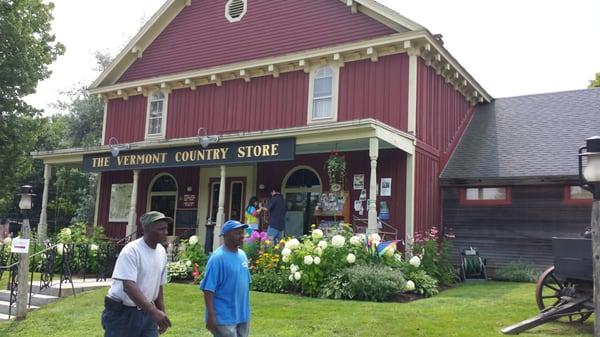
(128, 322)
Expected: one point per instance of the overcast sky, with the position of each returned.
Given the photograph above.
(511, 47)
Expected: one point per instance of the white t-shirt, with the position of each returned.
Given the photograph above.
(145, 266)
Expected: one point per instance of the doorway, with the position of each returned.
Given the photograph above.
(302, 187)
(163, 197)
(235, 190)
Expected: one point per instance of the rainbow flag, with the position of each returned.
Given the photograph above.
(383, 247)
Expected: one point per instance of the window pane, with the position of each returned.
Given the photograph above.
(157, 96)
(322, 108)
(472, 194)
(235, 208)
(579, 193)
(155, 125)
(324, 72)
(323, 87)
(494, 193)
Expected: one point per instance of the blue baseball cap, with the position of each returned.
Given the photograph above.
(231, 225)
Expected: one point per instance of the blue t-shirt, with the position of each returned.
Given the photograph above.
(228, 277)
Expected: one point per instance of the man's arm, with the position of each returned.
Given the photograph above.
(156, 312)
(211, 318)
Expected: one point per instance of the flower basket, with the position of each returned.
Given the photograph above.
(335, 166)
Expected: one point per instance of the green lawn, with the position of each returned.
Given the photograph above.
(472, 310)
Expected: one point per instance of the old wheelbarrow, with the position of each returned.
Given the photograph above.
(565, 291)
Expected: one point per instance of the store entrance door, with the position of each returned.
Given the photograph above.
(301, 191)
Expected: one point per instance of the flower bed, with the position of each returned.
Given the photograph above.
(342, 265)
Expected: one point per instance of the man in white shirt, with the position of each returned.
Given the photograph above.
(134, 305)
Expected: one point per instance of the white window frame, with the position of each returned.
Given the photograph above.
(229, 18)
(163, 125)
(335, 80)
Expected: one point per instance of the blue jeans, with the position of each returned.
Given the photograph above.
(275, 234)
(234, 330)
(128, 322)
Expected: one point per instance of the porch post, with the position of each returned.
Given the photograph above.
(42, 227)
(132, 224)
(409, 222)
(373, 155)
(217, 240)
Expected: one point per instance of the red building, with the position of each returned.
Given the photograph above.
(213, 101)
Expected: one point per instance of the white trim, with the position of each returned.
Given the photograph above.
(409, 218)
(104, 123)
(297, 168)
(244, 10)
(413, 65)
(98, 189)
(335, 83)
(163, 123)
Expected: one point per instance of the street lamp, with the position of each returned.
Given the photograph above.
(25, 204)
(589, 179)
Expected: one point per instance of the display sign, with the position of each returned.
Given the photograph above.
(20, 246)
(216, 154)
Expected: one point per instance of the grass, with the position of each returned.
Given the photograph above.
(470, 310)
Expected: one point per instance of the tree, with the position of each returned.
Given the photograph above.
(26, 49)
(596, 82)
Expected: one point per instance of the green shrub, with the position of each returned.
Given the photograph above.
(424, 284)
(435, 253)
(373, 283)
(270, 282)
(517, 271)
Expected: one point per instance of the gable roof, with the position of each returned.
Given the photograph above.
(172, 8)
(525, 137)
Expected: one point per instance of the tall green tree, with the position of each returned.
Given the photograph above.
(595, 83)
(27, 47)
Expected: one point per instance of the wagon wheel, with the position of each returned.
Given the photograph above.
(550, 289)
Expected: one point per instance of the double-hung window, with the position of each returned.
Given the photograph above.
(485, 196)
(323, 88)
(156, 117)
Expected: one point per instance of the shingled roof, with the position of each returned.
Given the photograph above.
(525, 137)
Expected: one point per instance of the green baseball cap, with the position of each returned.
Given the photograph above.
(154, 216)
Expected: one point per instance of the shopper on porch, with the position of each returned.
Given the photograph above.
(276, 208)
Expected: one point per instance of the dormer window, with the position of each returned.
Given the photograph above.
(323, 98)
(235, 10)
(157, 114)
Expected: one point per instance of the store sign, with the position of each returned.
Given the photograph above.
(217, 154)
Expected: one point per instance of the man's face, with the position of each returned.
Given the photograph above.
(158, 231)
(235, 237)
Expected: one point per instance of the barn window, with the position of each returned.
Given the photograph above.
(323, 89)
(575, 195)
(235, 10)
(485, 196)
(156, 116)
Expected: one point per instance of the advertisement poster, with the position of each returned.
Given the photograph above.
(359, 181)
(386, 187)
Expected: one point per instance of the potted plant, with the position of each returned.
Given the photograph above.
(336, 170)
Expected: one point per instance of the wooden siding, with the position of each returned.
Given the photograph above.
(442, 112)
(264, 103)
(427, 191)
(185, 177)
(201, 37)
(519, 231)
(376, 90)
(126, 119)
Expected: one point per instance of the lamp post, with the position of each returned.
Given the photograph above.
(589, 179)
(25, 204)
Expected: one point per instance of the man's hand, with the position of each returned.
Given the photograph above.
(211, 324)
(161, 319)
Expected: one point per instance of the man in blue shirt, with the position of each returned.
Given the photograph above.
(226, 285)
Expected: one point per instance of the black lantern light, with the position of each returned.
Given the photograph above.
(589, 176)
(26, 194)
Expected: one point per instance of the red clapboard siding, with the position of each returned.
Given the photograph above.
(427, 192)
(126, 119)
(200, 36)
(442, 112)
(376, 90)
(263, 104)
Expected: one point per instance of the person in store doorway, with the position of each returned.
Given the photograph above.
(277, 209)
(226, 285)
(134, 306)
(253, 212)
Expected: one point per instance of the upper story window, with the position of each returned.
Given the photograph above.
(323, 94)
(485, 196)
(235, 10)
(157, 115)
(575, 195)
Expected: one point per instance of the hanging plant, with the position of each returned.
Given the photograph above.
(336, 168)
